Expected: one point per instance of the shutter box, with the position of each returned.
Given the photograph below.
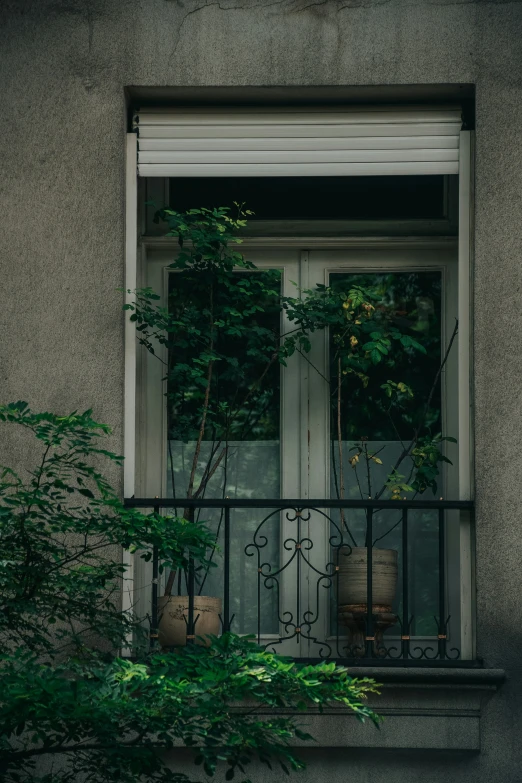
(286, 142)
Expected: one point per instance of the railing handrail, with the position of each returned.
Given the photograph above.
(301, 503)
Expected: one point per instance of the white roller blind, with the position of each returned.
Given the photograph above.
(283, 142)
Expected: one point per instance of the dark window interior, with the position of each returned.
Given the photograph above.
(317, 198)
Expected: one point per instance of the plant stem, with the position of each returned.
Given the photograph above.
(406, 451)
(201, 431)
(189, 513)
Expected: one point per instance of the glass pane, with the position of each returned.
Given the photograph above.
(317, 198)
(376, 430)
(237, 398)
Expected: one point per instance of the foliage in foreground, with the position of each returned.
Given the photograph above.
(88, 714)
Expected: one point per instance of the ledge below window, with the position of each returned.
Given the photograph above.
(423, 709)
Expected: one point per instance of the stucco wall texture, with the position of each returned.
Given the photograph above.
(64, 65)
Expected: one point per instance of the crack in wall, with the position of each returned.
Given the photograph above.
(293, 7)
(196, 11)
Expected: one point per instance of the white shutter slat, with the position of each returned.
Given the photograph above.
(287, 170)
(292, 144)
(300, 156)
(299, 117)
(298, 142)
(305, 131)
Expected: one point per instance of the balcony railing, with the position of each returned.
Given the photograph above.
(294, 573)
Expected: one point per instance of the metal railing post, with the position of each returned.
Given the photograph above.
(154, 607)
(442, 630)
(226, 574)
(191, 636)
(405, 636)
(370, 635)
(190, 620)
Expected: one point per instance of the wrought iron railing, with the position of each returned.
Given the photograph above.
(313, 605)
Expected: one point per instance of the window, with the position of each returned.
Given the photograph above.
(293, 443)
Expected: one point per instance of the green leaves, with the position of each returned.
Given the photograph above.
(397, 392)
(53, 529)
(409, 342)
(427, 454)
(397, 485)
(65, 691)
(198, 696)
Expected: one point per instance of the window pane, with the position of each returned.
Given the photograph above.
(413, 300)
(241, 414)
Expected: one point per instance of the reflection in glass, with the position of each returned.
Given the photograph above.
(375, 433)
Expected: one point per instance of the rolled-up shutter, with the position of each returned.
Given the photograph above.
(272, 142)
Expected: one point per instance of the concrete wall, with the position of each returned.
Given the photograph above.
(64, 65)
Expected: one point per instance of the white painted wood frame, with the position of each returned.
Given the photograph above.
(129, 414)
